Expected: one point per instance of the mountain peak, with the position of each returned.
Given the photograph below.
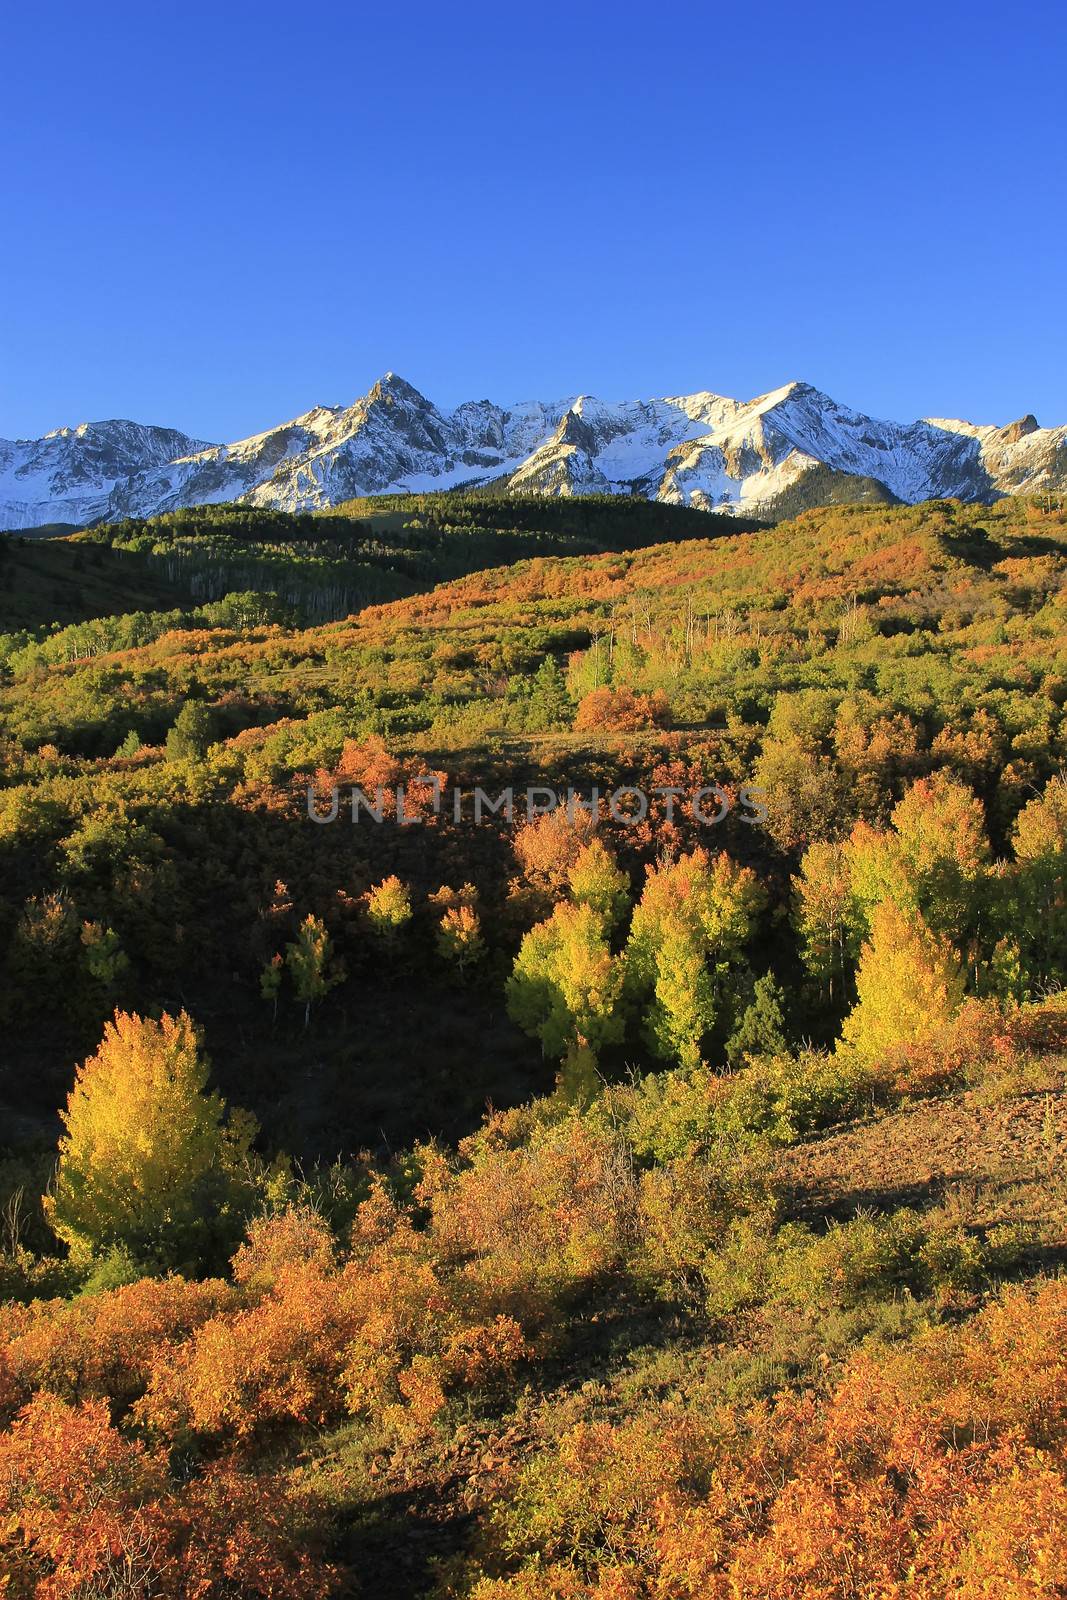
(801, 389)
(1019, 430)
(391, 386)
(796, 389)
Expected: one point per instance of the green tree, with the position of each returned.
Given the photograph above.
(550, 705)
(824, 915)
(566, 986)
(312, 968)
(933, 861)
(944, 853)
(761, 1028)
(1039, 839)
(192, 732)
(693, 920)
(42, 955)
(805, 794)
(682, 1008)
(102, 955)
(595, 880)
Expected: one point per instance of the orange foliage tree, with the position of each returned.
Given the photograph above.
(85, 1511)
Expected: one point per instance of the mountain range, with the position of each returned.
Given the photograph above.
(766, 457)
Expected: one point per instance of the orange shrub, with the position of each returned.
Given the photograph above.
(77, 1503)
(984, 1042)
(101, 1346)
(280, 1360)
(478, 1356)
(235, 1532)
(547, 847)
(297, 1235)
(368, 765)
(385, 1334)
(524, 1228)
(937, 1471)
(621, 711)
(84, 1511)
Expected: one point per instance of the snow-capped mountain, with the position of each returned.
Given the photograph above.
(792, 447)
(70, 474)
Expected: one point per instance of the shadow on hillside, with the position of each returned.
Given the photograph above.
(399, 1051)
(394, 1548)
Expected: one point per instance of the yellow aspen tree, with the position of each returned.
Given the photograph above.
(1039, 839)
(566, 985)
(388, 910)
(459, 937)
(148, 1161)
(822, 911)
(596, 880)
(691, 923)
(909, 983)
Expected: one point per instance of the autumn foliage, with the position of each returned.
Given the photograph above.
(662, 1206)
(940, 1471)
(622, 711)
(89, 1511)
(147, 1152)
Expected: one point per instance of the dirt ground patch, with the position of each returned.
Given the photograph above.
(1007, 1158)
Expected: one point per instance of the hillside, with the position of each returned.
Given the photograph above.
(316, 567)
(643, 1200)
(46, 582)
(835, 659)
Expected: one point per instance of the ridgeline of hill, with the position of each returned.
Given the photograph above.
(323, 565)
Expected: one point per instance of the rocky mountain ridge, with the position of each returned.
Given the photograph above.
(761, 457)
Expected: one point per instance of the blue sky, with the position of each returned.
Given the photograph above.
(218, 215)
